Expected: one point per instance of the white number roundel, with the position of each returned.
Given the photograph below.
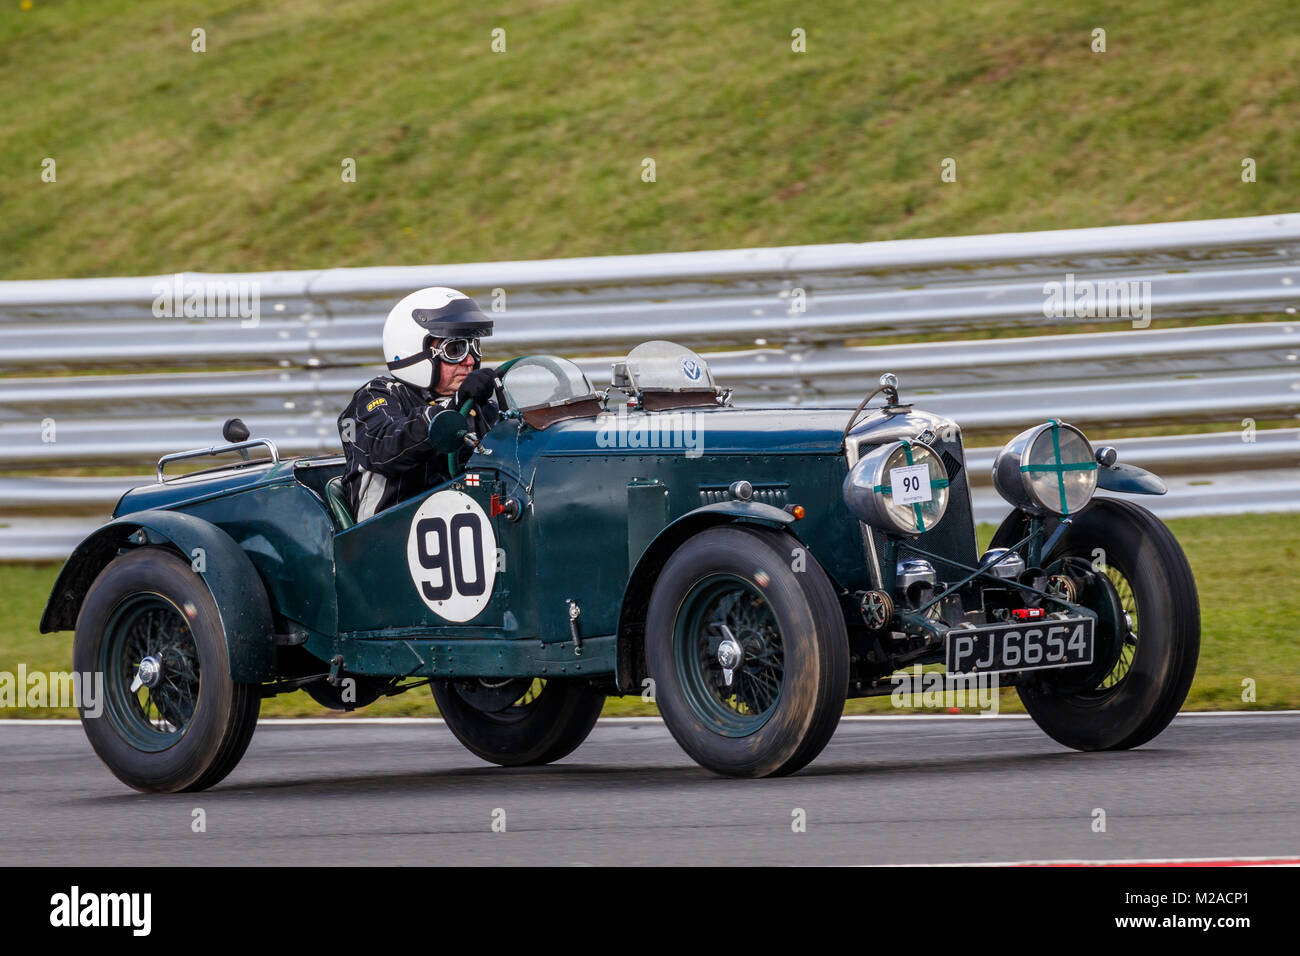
(451, 553)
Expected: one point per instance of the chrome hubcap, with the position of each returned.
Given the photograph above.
(730, 654)
(148, 674)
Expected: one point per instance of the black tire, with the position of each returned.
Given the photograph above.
(791, 617)
(1137, 699)
(139, 595)
(542, 724)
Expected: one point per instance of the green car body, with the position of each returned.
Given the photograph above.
(542, 560)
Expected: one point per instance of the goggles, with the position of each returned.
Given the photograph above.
(455, 350)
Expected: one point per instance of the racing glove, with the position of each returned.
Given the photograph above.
(478, 385)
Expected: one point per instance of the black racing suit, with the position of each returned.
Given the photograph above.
(385, 432)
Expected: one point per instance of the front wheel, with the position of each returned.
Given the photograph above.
(748, 651)
(1149, 623)
(522, 721)
(169, 718)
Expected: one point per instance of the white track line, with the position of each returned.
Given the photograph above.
(857, 718)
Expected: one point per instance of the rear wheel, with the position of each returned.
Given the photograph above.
(1149, 629)
(521, 721)
(749, 656)
(171, 718)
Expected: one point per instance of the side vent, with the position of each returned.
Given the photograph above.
(769, 494)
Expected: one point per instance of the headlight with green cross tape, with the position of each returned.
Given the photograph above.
(901, 487)
(1049, 468)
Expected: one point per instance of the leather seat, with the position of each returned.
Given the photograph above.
(338, 502)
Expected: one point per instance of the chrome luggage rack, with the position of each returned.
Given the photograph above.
(240, 446)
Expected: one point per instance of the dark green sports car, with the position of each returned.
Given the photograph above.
(746, 568)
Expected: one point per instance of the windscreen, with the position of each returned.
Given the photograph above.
(667, 365)
(540, 380)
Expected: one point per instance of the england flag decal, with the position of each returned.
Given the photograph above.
(471, 480)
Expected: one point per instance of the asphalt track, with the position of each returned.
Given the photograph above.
(909, 790)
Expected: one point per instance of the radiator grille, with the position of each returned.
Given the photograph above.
(952, 464)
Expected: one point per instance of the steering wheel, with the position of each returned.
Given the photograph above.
(467, 406)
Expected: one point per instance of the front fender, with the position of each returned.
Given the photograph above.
(641, 580)
(1129, 479)
(239, 593)
(682, 527)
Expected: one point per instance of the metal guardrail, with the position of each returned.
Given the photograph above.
(313, 319)
(1134, 401)
(785, 321)
(804, 374)
(1209, 373)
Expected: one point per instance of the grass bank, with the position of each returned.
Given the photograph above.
(233, 158)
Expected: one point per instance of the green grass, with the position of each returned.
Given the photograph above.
(1245, 571)
(230, 159)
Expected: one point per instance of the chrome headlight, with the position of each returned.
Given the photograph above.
(901, 488)
(1047, 468)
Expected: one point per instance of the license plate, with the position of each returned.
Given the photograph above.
(1000, 648)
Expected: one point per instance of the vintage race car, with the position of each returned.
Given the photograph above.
(747, 568)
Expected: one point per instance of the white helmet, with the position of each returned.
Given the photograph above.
(414, 323)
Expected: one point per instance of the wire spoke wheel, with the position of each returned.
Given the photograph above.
(1148, 629)
(507, 700)
(749, 657)
(171, 716)
(1128, 649)
(736, 701)
(150, 662)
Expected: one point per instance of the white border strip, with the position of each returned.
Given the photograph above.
(1277, 859)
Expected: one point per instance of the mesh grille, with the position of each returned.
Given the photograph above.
(951, 464)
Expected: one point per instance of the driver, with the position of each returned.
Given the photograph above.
(397, 431)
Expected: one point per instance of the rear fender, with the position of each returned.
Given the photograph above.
(236, 588)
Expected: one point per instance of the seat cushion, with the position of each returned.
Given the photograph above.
(338, 502)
